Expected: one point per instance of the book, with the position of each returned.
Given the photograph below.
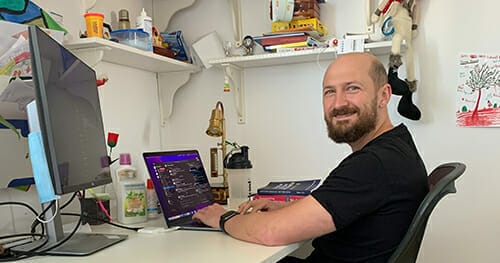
(282, 198)
(304, 187)
(275, 39)
(309, 42)
(296, 44)
(282, 40)
(291, 49)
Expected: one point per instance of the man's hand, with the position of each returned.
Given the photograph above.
(260, 205)
(210, 215)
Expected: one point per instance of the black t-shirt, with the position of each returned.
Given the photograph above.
(372, 197)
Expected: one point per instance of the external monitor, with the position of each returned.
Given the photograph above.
(72, 131)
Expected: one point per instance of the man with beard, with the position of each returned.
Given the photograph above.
(364, 207)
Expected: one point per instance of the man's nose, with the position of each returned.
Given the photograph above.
(340, 100)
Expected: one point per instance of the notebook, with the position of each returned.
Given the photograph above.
(182, 186)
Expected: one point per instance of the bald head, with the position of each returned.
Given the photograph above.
(363, 62)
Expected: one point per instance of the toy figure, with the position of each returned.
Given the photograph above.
(403, 13)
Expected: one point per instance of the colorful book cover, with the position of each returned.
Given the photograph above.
(289, 187)
(282, 40)
(176, 42)
(296, 44)
(276, 37)
(282, 198)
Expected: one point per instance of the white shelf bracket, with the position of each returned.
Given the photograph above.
(234, 75)
(91, 56)
(168, 84)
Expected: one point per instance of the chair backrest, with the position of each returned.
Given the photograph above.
(441, 182)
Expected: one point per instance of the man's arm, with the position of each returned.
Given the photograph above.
(261, 205)
(302, 220)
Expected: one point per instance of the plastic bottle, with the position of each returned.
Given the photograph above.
(131, 193)
(146, 23)
(123, 19)
(152, 199)
(239, 177)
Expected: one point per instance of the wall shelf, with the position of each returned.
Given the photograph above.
(99, 49)
(302, 56)
(171, 73)
(234, 66)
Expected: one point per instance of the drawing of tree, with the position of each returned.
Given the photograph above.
(481, 77)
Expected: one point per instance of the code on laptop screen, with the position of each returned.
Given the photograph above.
(184, 183)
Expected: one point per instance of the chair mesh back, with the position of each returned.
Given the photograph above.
(437, 174)
(441, 182)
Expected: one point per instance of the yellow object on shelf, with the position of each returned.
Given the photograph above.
(280, 26)
(300, 25)
(312, 23)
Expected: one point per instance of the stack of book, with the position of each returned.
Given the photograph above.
(287, 190)
(290, 41)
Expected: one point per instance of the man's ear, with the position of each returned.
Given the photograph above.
(385, 93)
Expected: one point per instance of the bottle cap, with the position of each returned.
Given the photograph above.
(239, 160)
(150, 184)
(125, 159)
(123, 15)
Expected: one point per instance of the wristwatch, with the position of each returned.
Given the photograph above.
(225, 217)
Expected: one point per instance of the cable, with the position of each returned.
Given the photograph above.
(68, 202)
(323, 49)
(21, 204)
(40, 218)
(30, 208)
(37, 222)
(23, 255)
(103, 220)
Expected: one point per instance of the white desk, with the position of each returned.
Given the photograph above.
(177, 246)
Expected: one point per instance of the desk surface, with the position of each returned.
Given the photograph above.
(178, 246)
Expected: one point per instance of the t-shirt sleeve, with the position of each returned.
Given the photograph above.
(353, 189)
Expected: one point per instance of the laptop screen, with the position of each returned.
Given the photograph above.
(180, 182)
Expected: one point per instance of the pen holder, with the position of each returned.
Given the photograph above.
(91, 208)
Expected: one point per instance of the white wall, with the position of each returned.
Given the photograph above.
(285, 129)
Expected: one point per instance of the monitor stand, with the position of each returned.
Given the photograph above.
(80, 244)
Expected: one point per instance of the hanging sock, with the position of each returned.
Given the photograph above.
(406, 107)
(399, 86)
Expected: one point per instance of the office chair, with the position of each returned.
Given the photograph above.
(441, 182)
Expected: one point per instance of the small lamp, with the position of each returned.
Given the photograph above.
(217, 128)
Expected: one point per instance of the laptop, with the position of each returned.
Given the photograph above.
(182, 186)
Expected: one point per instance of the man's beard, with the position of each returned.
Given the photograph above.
(343, 132)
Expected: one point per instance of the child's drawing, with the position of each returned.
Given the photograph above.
(478, 91)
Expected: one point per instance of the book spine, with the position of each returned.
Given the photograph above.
(282, 192)
(296, 44)
(283, 40)
(282, 198)
(289, 49)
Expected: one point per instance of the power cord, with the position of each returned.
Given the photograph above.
(33, 228)
(104, 221)
(35, 251)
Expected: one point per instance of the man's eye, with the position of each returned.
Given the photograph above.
(352, 88)
(328, 92)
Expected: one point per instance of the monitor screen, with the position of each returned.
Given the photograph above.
(70, 116)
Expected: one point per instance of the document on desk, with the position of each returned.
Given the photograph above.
(156, 230)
